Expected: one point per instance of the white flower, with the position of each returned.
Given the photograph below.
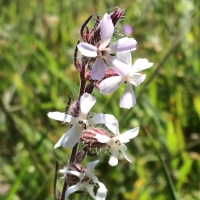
(102, 52)
(116, 143)
(87, 182)
(72, 136)
(130, 75)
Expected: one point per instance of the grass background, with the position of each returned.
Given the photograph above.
(37, 40)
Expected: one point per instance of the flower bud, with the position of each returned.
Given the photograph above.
(109, 73)
(93, 36)
(116, 15)
(72, 179)
(74, 109)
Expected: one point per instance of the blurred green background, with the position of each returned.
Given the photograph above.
(37, 75)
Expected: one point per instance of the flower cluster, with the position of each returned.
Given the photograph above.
(85, 180)
(104, 65)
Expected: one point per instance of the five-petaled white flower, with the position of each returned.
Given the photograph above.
(103, 52)
(116, 143)
(72, 136)
(129, 74)
(87, 182)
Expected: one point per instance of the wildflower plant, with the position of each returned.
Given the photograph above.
(104, 66)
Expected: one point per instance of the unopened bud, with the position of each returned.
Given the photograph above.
(116, 15)
(109, 73)
(73, 179)
(74, 109)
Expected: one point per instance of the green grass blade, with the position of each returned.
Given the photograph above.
(164, 167)
(18, 181)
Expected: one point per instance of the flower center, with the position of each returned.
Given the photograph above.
(117, 142)
(114, 143)
(82, 124)
(103, 53)
(87, 179)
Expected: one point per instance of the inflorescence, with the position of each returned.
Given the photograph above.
(104, 65)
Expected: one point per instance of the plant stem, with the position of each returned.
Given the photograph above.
(83, 82)
(63, 190)
(55, 181)
(73, 154)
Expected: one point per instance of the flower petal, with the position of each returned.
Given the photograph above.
(102, 138)
(89, 188)
(91, 165)
(113, 128)
(87, 49)
(122, 147)
(106, 30)
(109, 85)
(101, 192)
(87, 101)
(113, 161)
(63, 171)
(127, 99)
(125, 57)
(93, 177)
(98, 69)
(126, 156)
(78, 174)
(62, 117)
(119, 67)
(136, 79)
(72, 189)
(101, 118)
(124, 44)
(70, 138)
(140, 65)
(130, 134)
